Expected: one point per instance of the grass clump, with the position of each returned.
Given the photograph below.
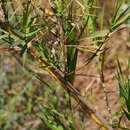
(53, 38)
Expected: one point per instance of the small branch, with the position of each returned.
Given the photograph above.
(86, 105)
(107, 37)
(102, 56)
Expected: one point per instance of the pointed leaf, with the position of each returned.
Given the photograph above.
(127, 114)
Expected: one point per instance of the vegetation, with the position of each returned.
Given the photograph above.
(42, 40)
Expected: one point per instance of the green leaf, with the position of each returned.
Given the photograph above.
(127, 114)
(26, 17)
(24, 56)
(91, 25)
(97, 34)
(121, 21)
(117, 114)
(119, 67)
(127, 71)
(122, 14)
(128, 104)
(121, 101)
(49, 124)
(102, 19)
(32, 33)
(118, 7)
(4, 36)
(119, 126)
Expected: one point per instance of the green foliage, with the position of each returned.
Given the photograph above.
(52, 32)
(119, 18)
(124, 86)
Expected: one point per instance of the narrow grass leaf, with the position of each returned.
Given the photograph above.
(26, 15)
(122, 14)
(50, 125)
(4, 36)
(119, 67)
(102, 19)
(121, 21)
(127, 114)
(96, 34)
(118, 7)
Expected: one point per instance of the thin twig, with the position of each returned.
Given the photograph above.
(107, 37)
(103, 82)
(86, 106)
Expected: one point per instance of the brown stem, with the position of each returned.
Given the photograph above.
(87, 107)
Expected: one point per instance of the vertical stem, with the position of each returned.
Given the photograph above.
(62, 43)
(103, 82)
(70, 109)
